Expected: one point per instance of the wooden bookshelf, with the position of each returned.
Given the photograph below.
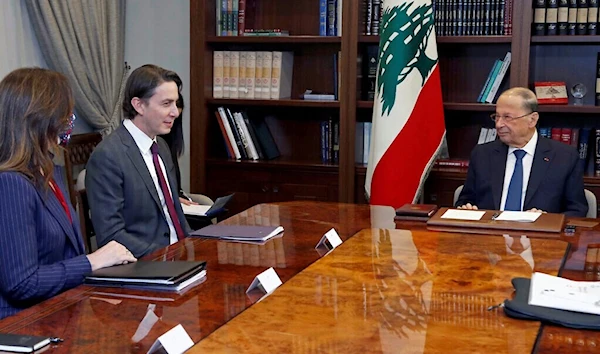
(464, 61)
(280, 102)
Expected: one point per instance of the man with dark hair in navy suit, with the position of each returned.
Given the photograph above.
(523, 170)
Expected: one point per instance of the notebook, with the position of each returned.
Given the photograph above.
(207, 210)
(239, 232)
(415, 212)
(22, 343)
(150, 275)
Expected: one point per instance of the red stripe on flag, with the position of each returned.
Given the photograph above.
(397, 176)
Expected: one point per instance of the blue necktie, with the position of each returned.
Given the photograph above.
(515, 188)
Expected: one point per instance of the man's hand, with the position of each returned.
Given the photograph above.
(468, 206)
(186, 201)
(535, 210)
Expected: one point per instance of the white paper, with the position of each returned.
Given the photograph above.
(463, 214)
(560, 293)
(175, 341)
(520, 216)
(198, 210)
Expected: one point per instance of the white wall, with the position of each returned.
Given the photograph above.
(158, 32)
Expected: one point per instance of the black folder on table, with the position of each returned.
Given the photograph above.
(150, 275)
(21, 343)
(519, 308)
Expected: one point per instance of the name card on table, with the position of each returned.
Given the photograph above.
(175, 341)
(266, 281)
(328, 242)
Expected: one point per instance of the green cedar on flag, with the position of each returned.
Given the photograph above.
(408, 114)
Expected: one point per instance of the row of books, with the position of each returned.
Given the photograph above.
(233, 16)
(473, 17)
(246, 139)
(362, 142)
(367, 72)
(249, 74)
(565, 17)
(330, 141)
(330, 17)
(371, 14)
(492, 83)
(486, 135)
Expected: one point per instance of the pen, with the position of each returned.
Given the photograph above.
(186, 196)
(495, 216)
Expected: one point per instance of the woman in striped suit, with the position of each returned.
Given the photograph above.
(41, 248)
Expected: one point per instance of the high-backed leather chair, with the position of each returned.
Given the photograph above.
(77, 154)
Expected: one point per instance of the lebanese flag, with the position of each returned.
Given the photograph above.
(408, 114)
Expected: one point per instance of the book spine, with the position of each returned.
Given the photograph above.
(323, 130)
(224, 18)
(499, 77)
(229, 130)
(236, 134)
(234, 74)
(584, 138)
(267, 67)
(367, 142)
(228, 147)
(555, 134)
(492, 80)
(375, 21)
(331, 18)
(250, 74)
(338, 19)
(592, 17)
(597, 154)
(241, 17)
(598, 79)
(336, 142)
(539, 17)
(572, 20)
(235, 17)
(582, 17)
(242, 90)
(230, 17)
(275, 84)
(258, 68)
(322, 17)
(563, 17)
(218, 74)
(226, 73)
(552, 18)
(487, 82)
(574, 137)
(565, 135)
(368, 17)
(218, 19)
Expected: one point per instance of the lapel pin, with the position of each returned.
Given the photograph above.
(546, 159)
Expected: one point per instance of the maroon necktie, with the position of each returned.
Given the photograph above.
(165, 191)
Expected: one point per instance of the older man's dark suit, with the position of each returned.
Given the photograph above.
(124, 203)
(555, 183)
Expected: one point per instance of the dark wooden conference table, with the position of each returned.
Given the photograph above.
(390, 287)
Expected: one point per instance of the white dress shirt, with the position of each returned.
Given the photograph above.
(511, 160)
(144, 143)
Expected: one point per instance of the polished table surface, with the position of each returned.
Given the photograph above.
(108, 320)
(390, 291)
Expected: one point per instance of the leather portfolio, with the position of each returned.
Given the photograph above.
(546, 223)
(418, 210)
(157, 275)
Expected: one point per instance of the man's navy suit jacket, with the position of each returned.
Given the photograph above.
(555, 183)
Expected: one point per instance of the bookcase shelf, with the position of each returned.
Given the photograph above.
(279, 163)
(588, 39)
(587, 109)
(449, 106)
(450, 39)
(477, 107)
(274, 39)
(274, 103)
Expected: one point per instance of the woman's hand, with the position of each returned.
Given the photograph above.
(112, 253)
